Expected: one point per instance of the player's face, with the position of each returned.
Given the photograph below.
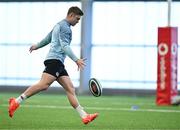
(75, 19)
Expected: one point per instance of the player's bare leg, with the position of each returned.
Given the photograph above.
(70, 90)
(43, 84)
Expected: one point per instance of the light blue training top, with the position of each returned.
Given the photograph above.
(59, 39)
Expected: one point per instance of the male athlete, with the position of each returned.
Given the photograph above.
(59, 39)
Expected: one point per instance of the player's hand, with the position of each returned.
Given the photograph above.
(81, 63)
(32, 48)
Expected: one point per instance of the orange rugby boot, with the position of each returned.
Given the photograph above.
(89, 118)
(13, 105)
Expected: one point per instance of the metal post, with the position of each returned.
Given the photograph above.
(169, 12)
(86, 41)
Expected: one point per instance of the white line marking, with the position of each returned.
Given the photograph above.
(102, 108)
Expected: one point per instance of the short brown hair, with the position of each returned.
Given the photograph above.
(76, 10)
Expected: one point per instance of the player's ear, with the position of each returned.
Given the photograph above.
(71, 14)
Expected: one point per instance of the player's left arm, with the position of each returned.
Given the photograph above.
(65, 44)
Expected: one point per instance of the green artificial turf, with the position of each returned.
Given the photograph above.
(53, 112)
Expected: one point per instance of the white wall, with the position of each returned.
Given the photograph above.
(125, 42)
(124, 53)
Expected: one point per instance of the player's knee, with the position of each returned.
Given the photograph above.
(45, 86)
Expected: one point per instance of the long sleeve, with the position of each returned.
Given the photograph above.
(70, 53)
(45, 41)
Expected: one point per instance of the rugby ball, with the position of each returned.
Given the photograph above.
(95, 87)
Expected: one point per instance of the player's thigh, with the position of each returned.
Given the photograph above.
(66, 83)
(47, 79)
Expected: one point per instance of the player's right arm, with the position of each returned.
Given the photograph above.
(42, 43)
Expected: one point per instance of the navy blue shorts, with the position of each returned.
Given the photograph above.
(55, 67)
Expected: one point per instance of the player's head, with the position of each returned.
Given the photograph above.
(74, 15)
